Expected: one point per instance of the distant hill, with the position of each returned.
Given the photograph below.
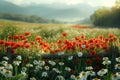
(25, 18)
(59, 12)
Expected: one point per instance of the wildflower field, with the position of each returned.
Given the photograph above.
(58, 52)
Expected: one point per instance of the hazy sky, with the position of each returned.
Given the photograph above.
(68, 2)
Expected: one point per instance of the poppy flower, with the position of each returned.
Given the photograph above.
(76, 61)
(77, 38)
(10, 37)
(32, 43)
(59, 41)
(72, 71)
(16, 36)
(98, 59)
(27, 46)
(100, 37)
(89, 62)
(96, 68)
(82, 37)
(22, 37)
(38, 38)
(97, 45)
(6, 44)
(25, 41)
(1, 42)
(27, 33)
(93, 53)
(106, 39)
(64, 34)
(110, 35)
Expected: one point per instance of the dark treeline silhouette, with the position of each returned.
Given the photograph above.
(33, 18)
(107, 17)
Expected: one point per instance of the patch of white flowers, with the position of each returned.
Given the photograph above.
(106, 61)
(102, 72)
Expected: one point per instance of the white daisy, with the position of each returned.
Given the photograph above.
(46, 68)
(70, 57)
(105, 58)
(44, 74)
(117, 66)
(118, 59)
(6, 58)
(29, 65)
(19, 57)
(106, 62)
(68, 69)
(72, 77)
(56, 70)
(89, 68)
(115, 76)
(61, 63)
(60, 77)
(80, 54)
(2, 70)
(35, 62)
(83, 46)
(8, 73)
(102, 72)
(16, 63)
(52, 63)
(9, 66)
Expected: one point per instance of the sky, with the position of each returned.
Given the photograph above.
(107, 3)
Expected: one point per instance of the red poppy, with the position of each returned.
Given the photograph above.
(64, 34)
(22, 37)
(93, 53)
(98, 45)
(10, 37)
(27, 46)
(1, 42)
(16, 36)
(72, 71)
(77, 38)
(90, 41)
(6, 44)
(100, 37)
(76, 61)
(89, 62)
(110, 35)
(27, 33)
(82, 37)
(104, 46)
(38, 38)
(106, 39)
(115, 38)
(32, 43)
(59, 41)
(12, 51)
(98, 59)
(25, 41)
(96, 68)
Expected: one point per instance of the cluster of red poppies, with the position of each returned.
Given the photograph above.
(64, 44)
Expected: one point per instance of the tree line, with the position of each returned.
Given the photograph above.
(107, 17)
(19, 17)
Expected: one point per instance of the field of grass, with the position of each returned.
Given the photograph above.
(23, 44)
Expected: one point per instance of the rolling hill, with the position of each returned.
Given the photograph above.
(59, 12)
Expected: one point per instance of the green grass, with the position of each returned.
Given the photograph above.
(53, 31)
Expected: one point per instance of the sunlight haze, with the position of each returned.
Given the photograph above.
(107, 3)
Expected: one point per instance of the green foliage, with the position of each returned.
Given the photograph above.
(106, 17)
(33, 18)
(7, 30)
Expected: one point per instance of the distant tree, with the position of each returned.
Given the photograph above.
(33, 18)
(107, 16)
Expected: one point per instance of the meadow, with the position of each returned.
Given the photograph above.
(22, 46)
